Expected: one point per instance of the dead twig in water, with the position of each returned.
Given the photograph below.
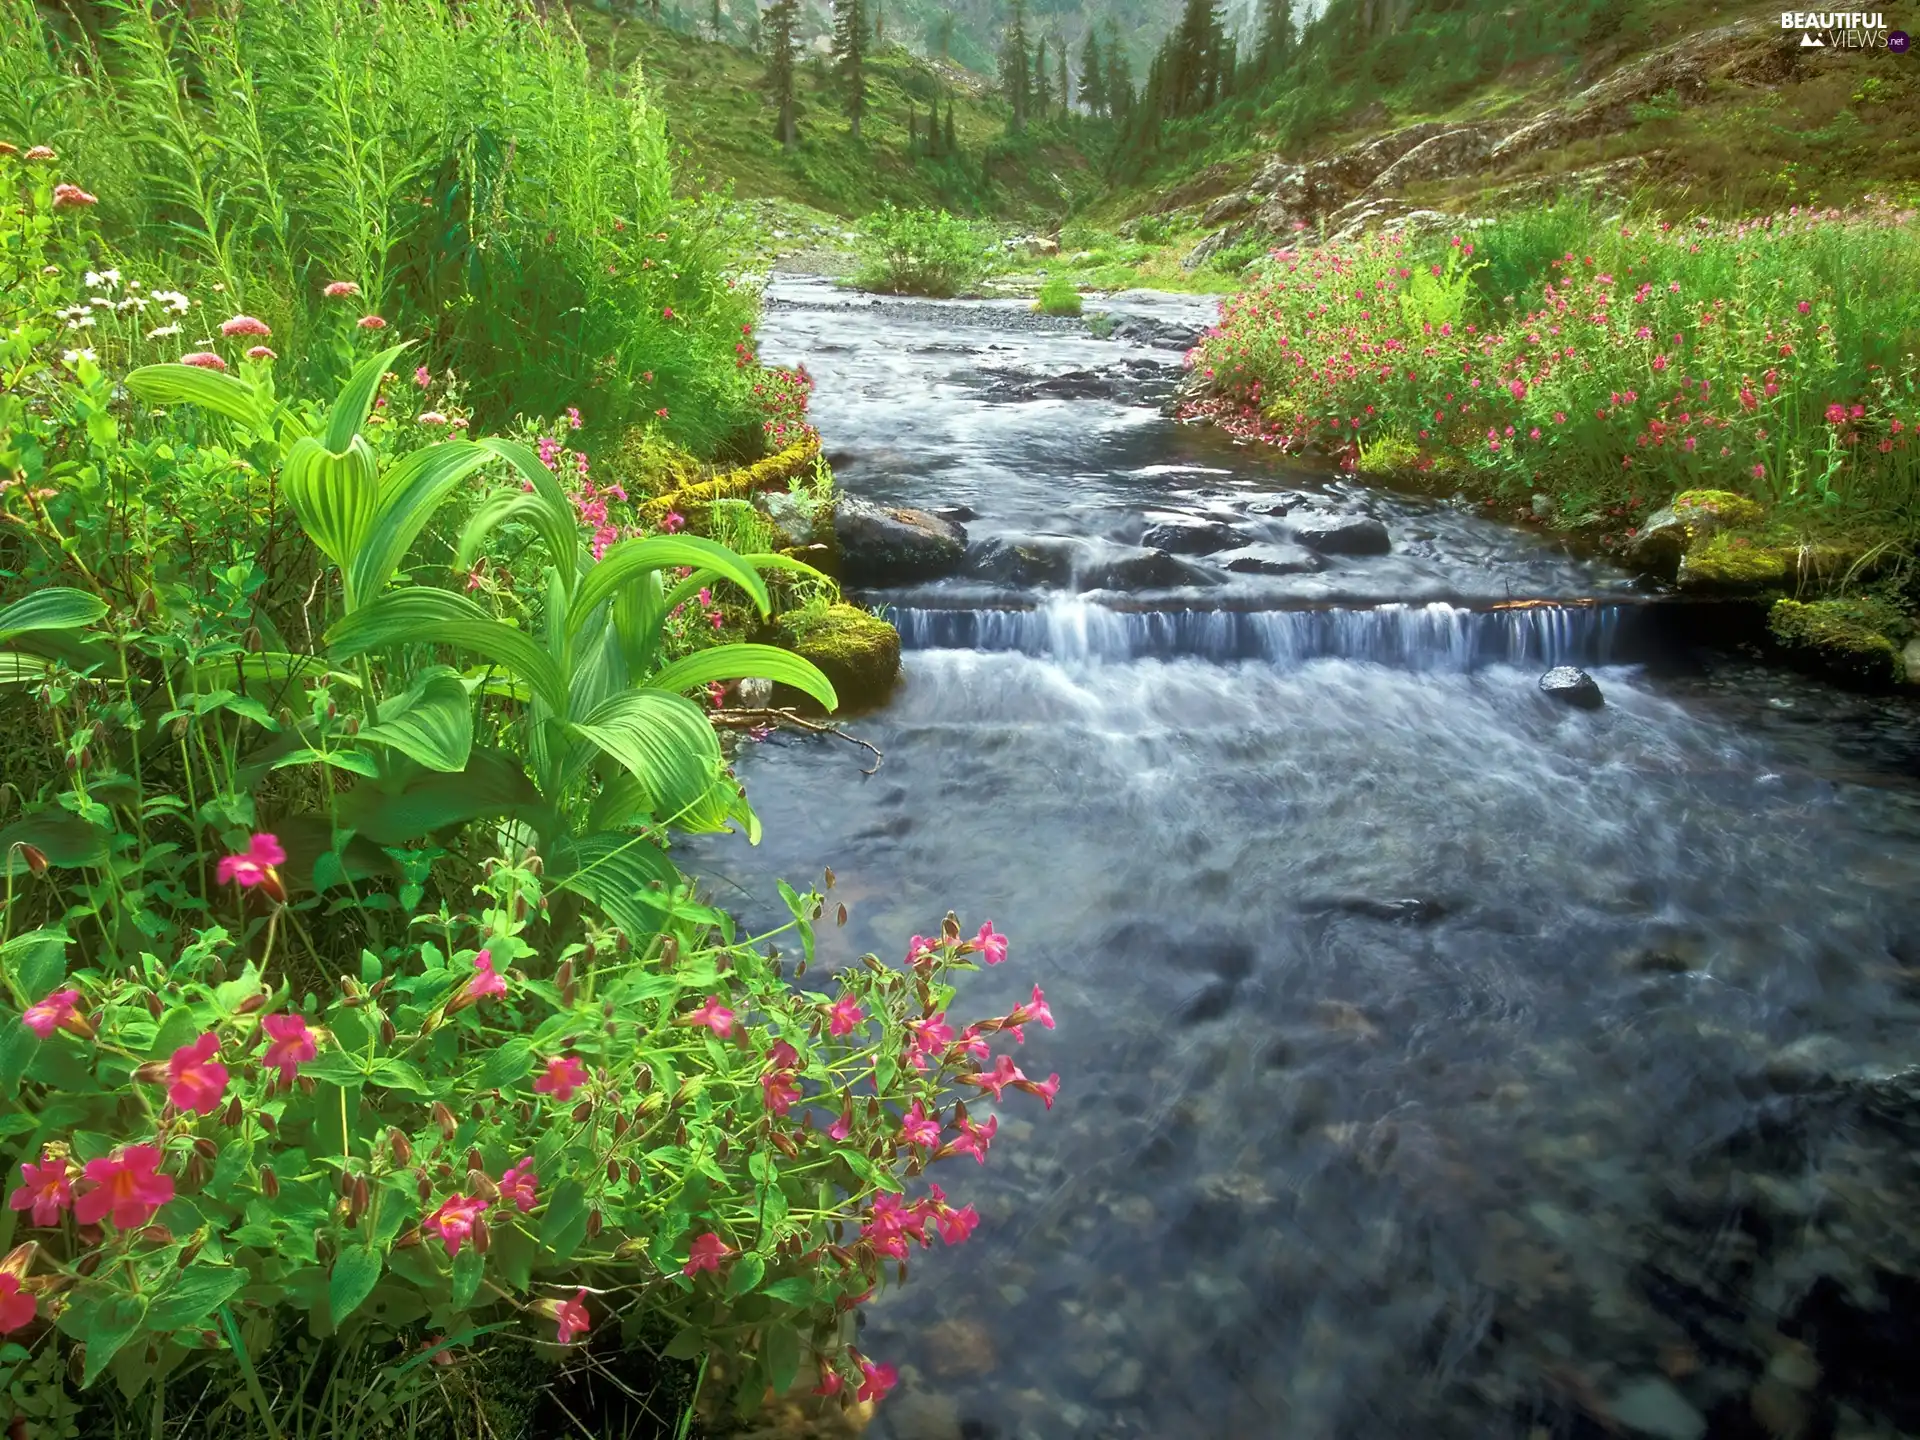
(754, 719)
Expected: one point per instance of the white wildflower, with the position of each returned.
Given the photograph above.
(173, 300)
(74, 357)
(162, 332)
(80, 322)
(102, 279)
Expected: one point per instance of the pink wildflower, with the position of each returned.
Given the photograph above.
(777, 1087)
(57, 1011)
(127, 1188)
(1003, 1074)
(875, 1381)
(371, 322)
(453, 1222)
(920, 1128)
(47, 1190)
(674, 523)
(254, 865)
(261, 353)
(72, 197)
(1046, 1089)
(564, 1075)
(422, 376)
(973, 1140)
(715, 1016)
(706, 1254)
(992, 947)
(520, 1186)
(572, 1317)
(845, 1016)
(203, 360)
(337, 288)
(244, 325)
(289, 1044)
(486, 981)
(430, 417)
(17, 1307)
(197, 1079)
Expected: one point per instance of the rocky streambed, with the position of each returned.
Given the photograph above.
(1437, 1059)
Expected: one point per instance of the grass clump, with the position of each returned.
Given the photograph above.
(1058, 296)
(918, 252)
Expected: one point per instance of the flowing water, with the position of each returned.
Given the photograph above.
(1437, 1060)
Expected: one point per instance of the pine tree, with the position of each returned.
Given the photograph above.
(1042, 85)
(913, 130)
(1062, 83)
(1015, 75)
(1093, 74)
(1276, 36)
(879, 24)
(715, 22)
(849, 54)
(783, 19)
(943, 36)
(946, 142)
(1119, 83)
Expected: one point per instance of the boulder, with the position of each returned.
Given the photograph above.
(879, 543)
(1844, 641)
(1024, 564)
(1212, 245)
(1272, 560)
(1731, 565)
(1343, 534)
(1449, 153)
(1148, 570)
(1228, 207)
(857, 651)
(795, 525)
(1572, 686)
(1192, 537)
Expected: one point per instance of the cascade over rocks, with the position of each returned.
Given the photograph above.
(1572, 686)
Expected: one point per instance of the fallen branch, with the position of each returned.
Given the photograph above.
(758, 718)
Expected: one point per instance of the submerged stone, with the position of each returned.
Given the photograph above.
(1343, 535)
(1572, 686)
(1651, 1406)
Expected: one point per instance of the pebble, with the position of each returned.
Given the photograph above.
(1651, 1406)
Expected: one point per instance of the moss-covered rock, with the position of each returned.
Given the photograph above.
(1706, 510)
(1694, 517)
(1732, 563)
(1845, 640)
(857, 651)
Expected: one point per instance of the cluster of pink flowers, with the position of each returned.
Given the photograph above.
(783, 396)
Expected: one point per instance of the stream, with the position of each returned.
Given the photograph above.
(1437, 1060)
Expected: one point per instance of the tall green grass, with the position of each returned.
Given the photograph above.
(463, 164)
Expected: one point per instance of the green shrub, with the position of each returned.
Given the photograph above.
(918, 252)
(1058, 297)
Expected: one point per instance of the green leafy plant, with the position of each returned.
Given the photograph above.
(918, 252)
(1058, 296)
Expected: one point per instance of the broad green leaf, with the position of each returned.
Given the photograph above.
(467, 1267)
(491, 786)
(629, 560)
(66, 840)
(558, 524)
(410, 492)
(745, 1274)
(794, 1290)
(332, 494)
(565, 1224)
(19, 669)
(355, 1272)
(780, 1355)
(355, 401)
(505, 1064)
(663, 740)
(737, 661)
(59, 607)
(196, 1294)
(627, 876)
(38, 960)
(421, 615)
(352, 761)
(432, 723)
(175, 384)
(512, 1256)
(116, 1320)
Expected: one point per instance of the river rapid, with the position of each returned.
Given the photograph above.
(1436, 1060)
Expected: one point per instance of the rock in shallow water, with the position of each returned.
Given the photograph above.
(1653, 1407)
(880, 543)
(1343, 534)
(1572, 686)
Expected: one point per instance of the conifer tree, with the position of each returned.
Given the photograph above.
(1062, 82)
(783, 19)
(1016, 78)
(849, 54)
(1093, 74)
(943, 36)
(947, 140)
(1119, 86)
(1042, 86)
(715, 21)
(1276, 36)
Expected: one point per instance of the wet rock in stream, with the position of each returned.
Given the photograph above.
(880, 543)
(1343, 534)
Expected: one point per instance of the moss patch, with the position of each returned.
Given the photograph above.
(1717, 508)
(857, 651)
(1731, 562)
(1851, 642)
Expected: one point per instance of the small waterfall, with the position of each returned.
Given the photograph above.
(1416, 637)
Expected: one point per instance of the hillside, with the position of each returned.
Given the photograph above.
(722, 127)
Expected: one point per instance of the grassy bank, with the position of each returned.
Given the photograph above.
(1556, 365)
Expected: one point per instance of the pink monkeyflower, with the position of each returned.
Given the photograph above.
(337, 288)
(1517, 388)
(203, 360)
(666, 312)
(920, 948)
(564, 1075)
(1759, 472)
(422, 376)
(992, 947)
(371, 322)
(1803, 307)
(289, 1044)
(974, 1045)
(1046, 1089)
(957, 1225)
(782, 1056)
(1003, 1074)
(486, 981)
(842, 1127)
(40, 152)
(974, 1139)
(17, 1307)
(779, 1091)
(520, 1185)
(572, 1318)
(875, 1381)
(706, 1253)
(573, 417)
(1559, 417)
(844, 1016)
(1836, 414)
(1035, 1011)
(127, 1188)
(72, 197)
(244, 325)
(197, 1081)
(661, 412)
(674, 523)
(261, 353)
(831, 1381)
(1534, 433)
(715, 1016)
(430, 417)
(920, 1128)
(930, 1037)
(47, 1191)
(453, 1222)
(254, 865)
(56, 1012)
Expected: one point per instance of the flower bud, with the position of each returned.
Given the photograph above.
(253, 1002)
(443, 1117)
(563, 978)
(357, 1202)
(475, 1160)
(950, 927)
(620, 1126)
(235, 1112)
(195, 1173)
(402, 1148)
(593, 1224)
(191, 1249)
(582, 1111)
(643, 1079)
(680, 1134)
(524, 1111)
(829, 877)
(840, 915)
(269, 1182)
(35, 857)
(205, 1148)
(268, 1123)
(155, 1007)
(613, 1171)
(388, 1034)
(425, 1187)
(482, 1236)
